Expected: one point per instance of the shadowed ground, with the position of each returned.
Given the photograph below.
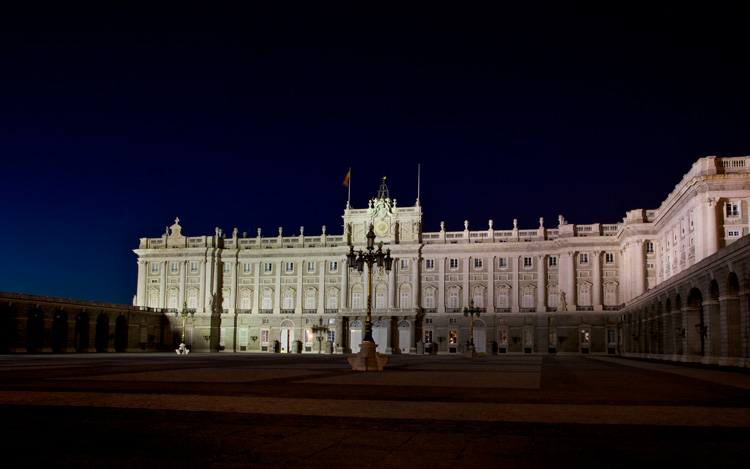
(423, 411)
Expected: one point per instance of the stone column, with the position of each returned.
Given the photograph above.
(541, 283)
(596, 294)
(640, 268)
(321, 286)
(344, 286)
(234, 269)
(163, 286)
(298, 301)
(441, 285)
(710, 228)
(202, 300)
(256, 286)
(140, 295)
(515, 266)
(416, 285)
(277, 288)
(391, 285)
(491, 285)
(466, 283)
(567, 279)
(183, 283)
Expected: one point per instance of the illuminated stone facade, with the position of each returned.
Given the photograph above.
(558, 288)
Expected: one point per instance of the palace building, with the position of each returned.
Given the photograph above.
(553, 288)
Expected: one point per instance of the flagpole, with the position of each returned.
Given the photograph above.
(349, 187)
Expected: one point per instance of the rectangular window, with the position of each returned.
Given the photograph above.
(332, 337)
(649, 248)
(503, 336)
(226, 267)
(733, 233)
(193, 267)
(453, 320)
(404, 264)
(609, 258)
(264, 334)
(429, 299)
(380, 300)
(454, 263)
(289, 267)
(477, 263)
(311, 266)
(452, 337)
(733, 209)
(356, 300)
(429, 264)
(154, 268)
(428, 321)
(267, 267)
(584, 258)
(427, 337)
(527, 262)
(585, 337)
(246, 267)
(405, 299)
(611, 337)
(552, 261)
(175, 267)
(334, 266)
(453, 299)
(503, 262)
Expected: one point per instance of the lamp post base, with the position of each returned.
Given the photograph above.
(368, 358)
(471, 352)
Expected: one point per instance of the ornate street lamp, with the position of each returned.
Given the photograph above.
(367, 358)
(320, 330)
(182, 349)
(471, 310)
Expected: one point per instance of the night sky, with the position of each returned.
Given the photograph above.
(114, 121)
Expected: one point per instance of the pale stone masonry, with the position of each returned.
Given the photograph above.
(555, 287)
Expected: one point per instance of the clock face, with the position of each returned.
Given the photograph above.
(381, 227)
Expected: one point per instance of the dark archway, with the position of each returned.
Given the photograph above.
(680, 334)
(102, 333)
(35, 331)
(59, 331)
(81, 337)
(121, 334)
(8, 321)
(695, 328)
(733, 337)
(712, 321)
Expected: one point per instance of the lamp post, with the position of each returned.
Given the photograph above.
(367, 358)
(182, 349)
(320, 331)
(471, 310)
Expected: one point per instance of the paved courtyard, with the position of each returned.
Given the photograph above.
(223, 410)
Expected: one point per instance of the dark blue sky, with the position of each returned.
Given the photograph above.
(115, 121)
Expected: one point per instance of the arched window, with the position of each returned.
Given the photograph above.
(332, 300)
(310, 298)
(528, 297)
(267, 299)
(246, 298)
(429, 298)
(478, 297)
(288, 301)
(192, 300)
(405, 296)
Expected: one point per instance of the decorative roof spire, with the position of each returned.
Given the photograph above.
(383, 191)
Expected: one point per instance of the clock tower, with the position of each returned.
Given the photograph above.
(392, 224)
